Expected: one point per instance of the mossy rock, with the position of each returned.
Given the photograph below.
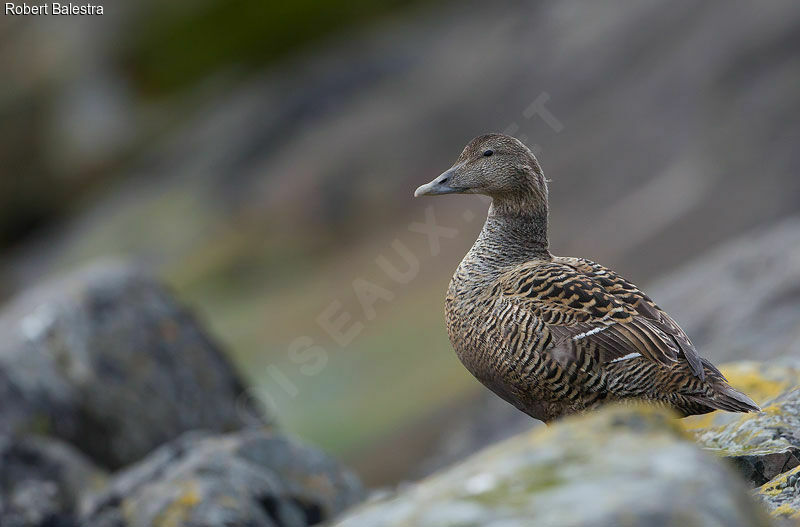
(108, 360)
(782, 495)
(42, 481)
(254, 477)
(625, 465)
(761, 381)
(761, 445)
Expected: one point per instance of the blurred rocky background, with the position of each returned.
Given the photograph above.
(259, 158)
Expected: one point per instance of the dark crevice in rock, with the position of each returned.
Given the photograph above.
(759, 469)
(271, 506)
(312, 512)
(289, 511)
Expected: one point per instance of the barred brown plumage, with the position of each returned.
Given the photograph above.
(555, 335)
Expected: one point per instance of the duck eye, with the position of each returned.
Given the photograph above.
(488, 153)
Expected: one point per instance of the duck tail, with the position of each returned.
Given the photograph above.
(723, 396)
(731, 400)
(726, 398)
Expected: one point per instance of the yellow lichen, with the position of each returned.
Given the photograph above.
(697, 422)
(773, 409)
(228, 501)
(760, 382)
(178, 511)
(128, 510)
(773, 486)
(785, 510)
(770, 490)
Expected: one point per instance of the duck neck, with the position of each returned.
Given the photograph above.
(512, 236)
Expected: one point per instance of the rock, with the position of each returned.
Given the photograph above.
(40, 482)
(253, 478)
(782, 495)
(106, 359)
(741, 300)
(762, 381)
(472, 424)
(761, 445)
(618, 466)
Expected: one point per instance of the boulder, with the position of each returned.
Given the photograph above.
(761, 445)
(41, 481)
(741, 300)
(108, 360)
(782, 496)
(618, 466)
(761, 381)
(254, 478)
(471, 425)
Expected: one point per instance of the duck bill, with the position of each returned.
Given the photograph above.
(440, 185)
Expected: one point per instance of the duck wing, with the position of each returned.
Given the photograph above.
(591, 314)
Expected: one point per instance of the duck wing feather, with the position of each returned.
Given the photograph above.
(593, 314)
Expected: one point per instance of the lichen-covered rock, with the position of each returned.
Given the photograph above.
(106, 359)
(762, 445)
(41, 481)
(782, 495)
(618, 466)
(253, 478)
(761, 381)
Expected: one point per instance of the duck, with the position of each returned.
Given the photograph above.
(557, 335)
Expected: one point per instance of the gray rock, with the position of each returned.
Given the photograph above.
(761, 445)
(251, 478)
(761, 381)
(617, 466)
(470, 426)
(782, 496)
(764, 446)
(741, 300)
(106, 359)
(41, 481)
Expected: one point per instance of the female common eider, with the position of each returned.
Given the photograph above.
(555, 335)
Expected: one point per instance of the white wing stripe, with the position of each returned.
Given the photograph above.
(589, 333)
(628, 356)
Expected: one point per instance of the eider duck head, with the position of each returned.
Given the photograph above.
(498, 166)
